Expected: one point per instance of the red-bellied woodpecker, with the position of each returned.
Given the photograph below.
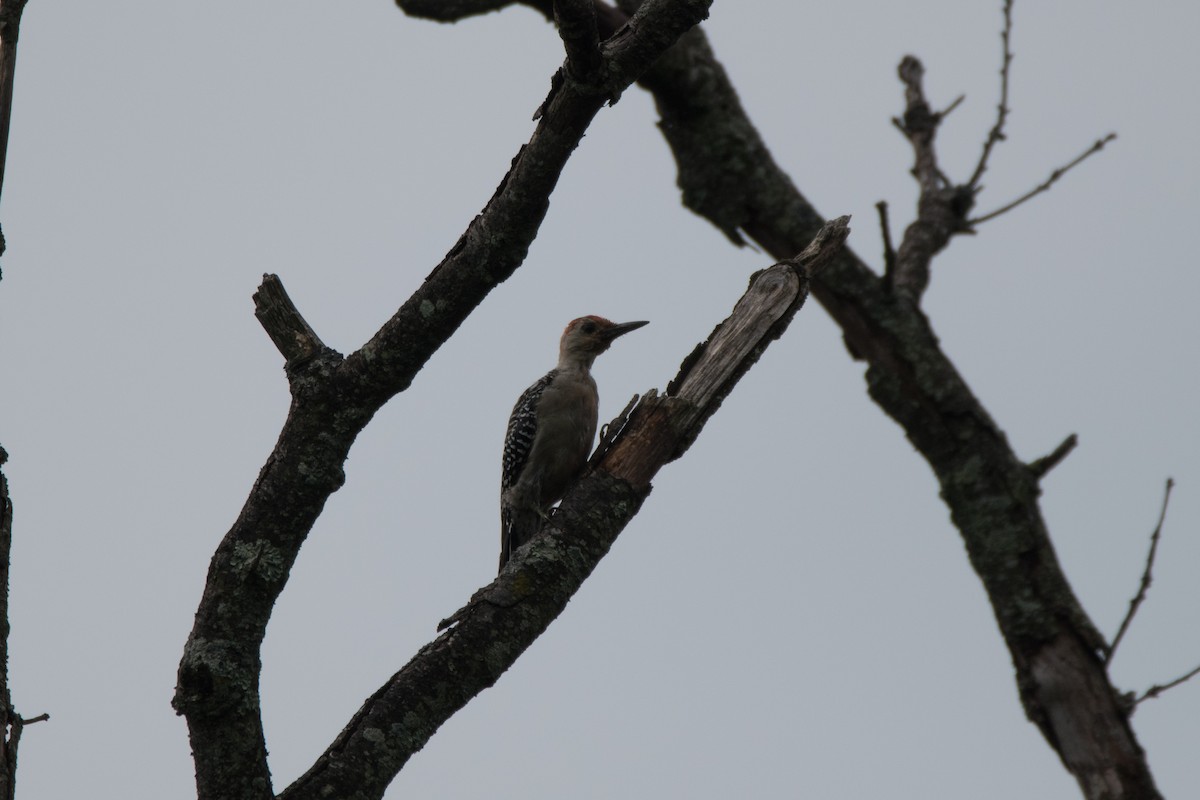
(550, 432)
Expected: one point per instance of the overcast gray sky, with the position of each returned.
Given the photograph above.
(792, 614)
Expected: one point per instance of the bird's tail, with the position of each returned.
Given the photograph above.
(517, 526)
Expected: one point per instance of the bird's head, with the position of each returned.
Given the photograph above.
(587, 337)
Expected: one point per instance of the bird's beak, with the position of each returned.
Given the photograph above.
(622, 328)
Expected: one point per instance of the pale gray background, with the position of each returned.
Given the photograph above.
(792, 614)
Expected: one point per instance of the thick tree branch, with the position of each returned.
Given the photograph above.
(505, 617)
(728, 176)
(333, 399)
(576, 22)
(10, 28)
(496, 241)
(8, 743)
(451, 10)
(12, 724)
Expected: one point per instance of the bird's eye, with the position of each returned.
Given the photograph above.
(589, 327)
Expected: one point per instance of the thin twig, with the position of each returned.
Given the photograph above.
(1039, 467)
(945, 112)
(1145, 584)
(1157, 689)
(889, 252)
(996, 134)
(1054, 176)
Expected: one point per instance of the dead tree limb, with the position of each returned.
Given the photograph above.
(334, 398)
(11, 723)
(9, 732)
(10, 28)
(729, 177)
(505, 617)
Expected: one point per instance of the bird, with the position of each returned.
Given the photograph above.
(550, 431)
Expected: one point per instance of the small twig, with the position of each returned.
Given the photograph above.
(1145, 584)
(1054, 176)
(31, 720)
(889, 252)
(945, 112)
(1039, 467)
(996, 134)
(1157, 689)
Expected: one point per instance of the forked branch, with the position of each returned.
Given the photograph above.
(942, 206)
(332, 401)
(729, 176)
(505, 617)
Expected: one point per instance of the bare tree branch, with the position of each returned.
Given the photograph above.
(576, 21)
(1144, 586)
(728, 176)
(10, 731)
(1042, 187)
(1041, 466)
(889, 252)
(11, 723)
(334, 398)
(10, 28)
(295, 339)
(505, 617)
(1156, 690)
(451, 10)
(996, 134)
(942, 206)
